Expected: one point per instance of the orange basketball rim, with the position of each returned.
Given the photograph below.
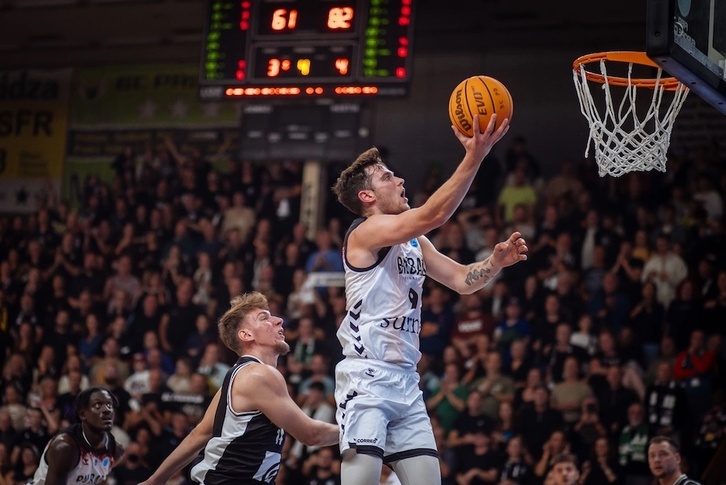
(667, 83)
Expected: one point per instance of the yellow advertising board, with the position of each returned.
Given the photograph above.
(33, 132)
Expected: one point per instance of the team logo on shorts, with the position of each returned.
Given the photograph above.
(413, 242)
(370, 372)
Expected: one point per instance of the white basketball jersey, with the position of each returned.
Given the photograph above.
(93, 466)
(383, 321)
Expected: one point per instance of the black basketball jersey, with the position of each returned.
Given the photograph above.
(245, 447)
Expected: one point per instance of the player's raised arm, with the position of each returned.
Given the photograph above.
(368, 188)
(469, 278)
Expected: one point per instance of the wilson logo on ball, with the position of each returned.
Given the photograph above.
(481, 96)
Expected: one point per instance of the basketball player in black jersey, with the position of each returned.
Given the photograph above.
(664, 460)
(86, 452)
(243, 430)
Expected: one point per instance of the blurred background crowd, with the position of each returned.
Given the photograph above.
(610, 333)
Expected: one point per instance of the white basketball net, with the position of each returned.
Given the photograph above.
(624, 142)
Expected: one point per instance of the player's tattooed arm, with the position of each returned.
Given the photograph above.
(479, 273)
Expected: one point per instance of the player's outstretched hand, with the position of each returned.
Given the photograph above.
(482, 142)
(511, 251)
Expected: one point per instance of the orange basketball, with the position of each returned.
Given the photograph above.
(481, 95)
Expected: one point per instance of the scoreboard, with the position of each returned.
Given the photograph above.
(306, 48)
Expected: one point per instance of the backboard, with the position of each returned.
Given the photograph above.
(687, 39)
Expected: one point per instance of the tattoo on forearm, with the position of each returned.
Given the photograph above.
(478, 273)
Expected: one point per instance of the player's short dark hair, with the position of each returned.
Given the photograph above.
(660, 439)
(354, 179)
(83, 400)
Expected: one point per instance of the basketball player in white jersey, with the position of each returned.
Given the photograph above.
(387, 256)
(243, 429)
(86, 452)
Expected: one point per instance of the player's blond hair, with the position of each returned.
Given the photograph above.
(230, 323)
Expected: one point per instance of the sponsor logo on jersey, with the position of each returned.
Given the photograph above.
(411, 266)
(402, 324)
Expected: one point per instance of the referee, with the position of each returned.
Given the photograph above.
(664, 460)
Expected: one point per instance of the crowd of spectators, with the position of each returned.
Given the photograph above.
(611, 332)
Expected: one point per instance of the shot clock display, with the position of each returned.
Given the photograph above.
(306, 48)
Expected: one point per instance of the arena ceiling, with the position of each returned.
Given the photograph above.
(60, 33)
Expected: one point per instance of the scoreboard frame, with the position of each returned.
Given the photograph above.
(306, 48)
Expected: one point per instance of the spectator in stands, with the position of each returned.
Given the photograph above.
(524, 394)
(26, 463)
(72, 365)
(505, 426)
(584, 336)
(475, 365)
(198, 339)
(568, 395)
(8, 437)
(555, 445)
(666, 269)
(545, 324)
(34, 433)
(714, 307)
(325, 257)
(587, 430)
(601, 466)
(471, 321)
(448, 401)
(125, 281)
(478, 464)
(146, 316)
(212, 366)
(319, 371)
(322, 467)
(610, 306)
(518, 467)
(647, 316)
(561, 350)
(134, 468)
(539, 421)
(180, 381)
(607, 350)
(666, 405)
(517, 190)
(471, 418)
(692, 369)
(179, 322)
(13, 405)
(495, 387)
(437, 322)
(633, 447)
(683, 310)
(615, 400)
(512, 327)
(519, 364)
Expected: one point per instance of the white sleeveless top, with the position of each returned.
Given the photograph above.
(383, 319)
(93, 466)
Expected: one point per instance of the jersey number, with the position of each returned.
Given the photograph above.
(413, 298)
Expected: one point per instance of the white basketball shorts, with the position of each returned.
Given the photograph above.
(381, 411)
